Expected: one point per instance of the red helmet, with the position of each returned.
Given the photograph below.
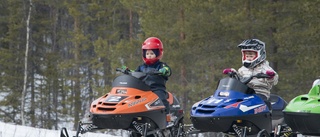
(155, 44)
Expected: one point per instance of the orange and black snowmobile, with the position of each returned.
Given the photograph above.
(132, 106)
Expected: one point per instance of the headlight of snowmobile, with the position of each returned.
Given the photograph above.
(224, 94)
(121, 91)
(115, 98)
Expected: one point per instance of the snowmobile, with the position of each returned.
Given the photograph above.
(235, 109)
(302, 113)
(132, 106)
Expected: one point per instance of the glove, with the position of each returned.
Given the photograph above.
(270, 73)
(124, 67)
(228, 70)
(164, 71)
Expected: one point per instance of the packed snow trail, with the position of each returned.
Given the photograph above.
(11, 130)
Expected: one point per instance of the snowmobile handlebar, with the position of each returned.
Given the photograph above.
(245, 80)
(124, 71)
(128, 71)
(259, 75)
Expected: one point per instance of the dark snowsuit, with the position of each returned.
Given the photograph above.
(157, 83)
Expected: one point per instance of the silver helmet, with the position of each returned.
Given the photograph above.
(256, 46)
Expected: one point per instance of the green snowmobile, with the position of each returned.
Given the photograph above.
(302, 114)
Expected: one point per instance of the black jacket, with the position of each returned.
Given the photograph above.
(156, 82)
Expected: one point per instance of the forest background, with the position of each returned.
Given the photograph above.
(57, 56)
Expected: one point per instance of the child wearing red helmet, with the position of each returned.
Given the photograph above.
(152, 51)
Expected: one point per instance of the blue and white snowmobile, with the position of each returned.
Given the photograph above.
(235, 109)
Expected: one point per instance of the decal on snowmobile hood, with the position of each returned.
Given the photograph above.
(244, 108)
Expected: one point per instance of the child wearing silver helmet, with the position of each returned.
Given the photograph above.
(254, 62)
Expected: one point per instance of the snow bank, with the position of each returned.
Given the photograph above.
(11, 130)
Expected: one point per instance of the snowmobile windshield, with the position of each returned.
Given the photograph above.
(235, 85)
(138, 75)
(130, 82)
(315, 91)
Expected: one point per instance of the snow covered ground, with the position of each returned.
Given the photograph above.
(10, 130)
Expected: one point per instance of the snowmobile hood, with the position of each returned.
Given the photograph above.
(226, 106)
(307, 103)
